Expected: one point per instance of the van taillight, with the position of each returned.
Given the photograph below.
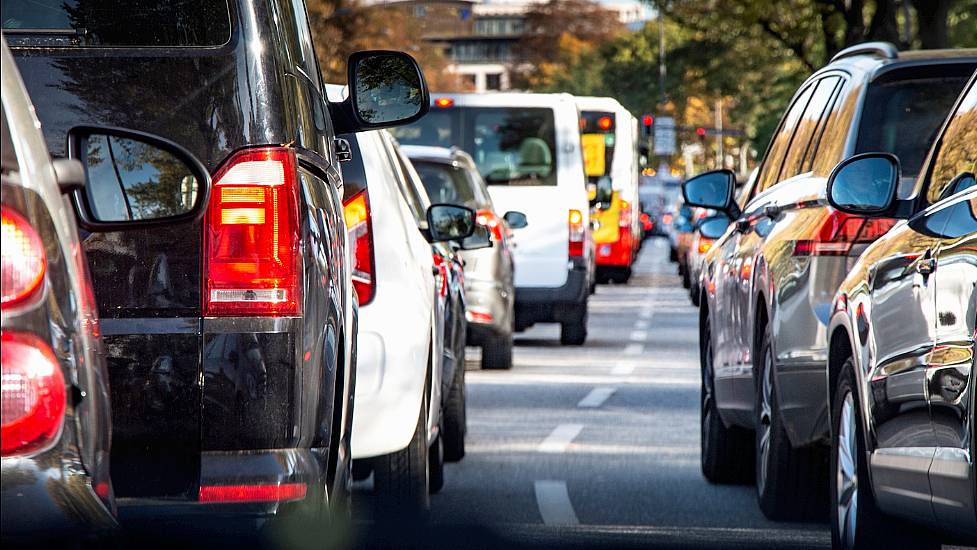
(24, 261)
(488, 219)
(252, 264)
(360, 227)
(441, 264)
(840, 231)
(577, 234)
(32, 394)
(624, 215)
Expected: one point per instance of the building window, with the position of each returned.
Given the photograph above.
(493, 81)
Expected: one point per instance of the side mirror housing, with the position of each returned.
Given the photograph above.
(386, 89)
(865, 184)
(715, 190)
(449, 222)
(134, 180)
(516, 220)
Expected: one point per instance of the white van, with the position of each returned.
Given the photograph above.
(527, 148)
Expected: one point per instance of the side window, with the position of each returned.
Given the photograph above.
(304, 58)
(957, 150)
(834, 137)
(807, 127)
(962, 219)
(770, 173)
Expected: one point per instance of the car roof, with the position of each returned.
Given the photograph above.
(876, 58)
(506, 99)
(587, 103)
(442, 155)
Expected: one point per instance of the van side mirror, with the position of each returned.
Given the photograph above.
(386, 88)
(864, 184)
(134, 179)
(449, 222)
(715, 190)
(516, 220)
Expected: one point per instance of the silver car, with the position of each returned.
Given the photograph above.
(768, 283)
(451, 176)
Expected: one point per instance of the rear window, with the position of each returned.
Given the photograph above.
(446, 184)
(903, 118)
(180, 23)
(513, 146)
(597, 141)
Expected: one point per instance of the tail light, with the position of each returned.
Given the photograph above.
(488, 220)
(704, 245)
(840, 232)
(251, 236)
(32, 394)
(442, 266)
(24, 262)
(360, 227)
(577, 234)
(624, 215)
(253, 492)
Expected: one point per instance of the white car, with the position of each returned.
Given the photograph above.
(399, 347)
(527, 148)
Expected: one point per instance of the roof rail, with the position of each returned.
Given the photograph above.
(885, 50)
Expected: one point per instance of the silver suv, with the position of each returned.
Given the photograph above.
(768, 283)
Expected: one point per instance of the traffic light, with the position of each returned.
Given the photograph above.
(647, 124)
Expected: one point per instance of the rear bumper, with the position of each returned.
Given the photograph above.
(41, 500)
(619, 253)
(487, 310)
(553, 304)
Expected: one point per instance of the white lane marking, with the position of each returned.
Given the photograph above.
(560, 438)
(639, 335)
(554, 503)
(622, 369)
(645, 314)
(596, 398)
(634, 349)
(641, 324)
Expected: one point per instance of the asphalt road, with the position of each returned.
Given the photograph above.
(594, 446)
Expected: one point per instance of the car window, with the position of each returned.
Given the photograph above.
(772, 164)
(354, 174)
(130, 23)
(961, 220)
(597, 133)
(957, 151)
(902, 117)
(436, 128)
(799, 159)
(446, 184)
(834, 140)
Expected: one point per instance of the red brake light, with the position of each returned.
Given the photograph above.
(488, 219)
(444, 102)
(253, 493)
(251, 236)
(840, 231)
(24, 261)
(605, 123)
(32, 399)
(577, 234)
(360, 227)
(442, 265)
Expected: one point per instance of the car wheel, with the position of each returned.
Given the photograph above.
(856, 521)
(686, 280)
(455, 417)
(790, 482)
(402, 479)
(726, 454)
(672, 254)
(573, 332)
(694, 295)
(435, 461)
(497, 353)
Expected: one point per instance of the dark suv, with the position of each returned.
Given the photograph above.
(768, 282)
(229, 339)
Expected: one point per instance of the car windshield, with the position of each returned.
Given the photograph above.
(903, 117)
(446, 183)
(130, 23)
(513, 146)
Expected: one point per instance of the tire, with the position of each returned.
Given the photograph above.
(790, 482)
(497, 353)
(862, 525)
(624, 276)
(435, 461)
(694, 291)
(573, 332)
(672, 254)
(726, 454)
(454, 414)
(686, 279)
(402, 479)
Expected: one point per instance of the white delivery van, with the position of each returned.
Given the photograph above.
(527, 148)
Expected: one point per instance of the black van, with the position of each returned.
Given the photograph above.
(231, 339)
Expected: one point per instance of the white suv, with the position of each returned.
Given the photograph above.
(527, 148)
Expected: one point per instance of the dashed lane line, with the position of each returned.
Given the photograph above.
(596, 397)
(554, 504)
(560, 438)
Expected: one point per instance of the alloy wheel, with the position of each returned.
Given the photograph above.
(707, 397)
(764, 425)
(847, 473)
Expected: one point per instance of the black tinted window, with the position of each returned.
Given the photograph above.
(447, 184)
(354, 175)
(956, 156)
(903, 117)
(962, 219)
(124, 23)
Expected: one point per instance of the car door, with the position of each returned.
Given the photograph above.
(949, 373)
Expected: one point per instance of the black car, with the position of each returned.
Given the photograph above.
(57, 426)
(901, 361)
(229, 339)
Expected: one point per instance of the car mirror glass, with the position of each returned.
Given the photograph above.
(388, 88)
(480, 238)
(446, 222)
(864, 184)
(710, 190)
(516, 220)
(713, 227)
